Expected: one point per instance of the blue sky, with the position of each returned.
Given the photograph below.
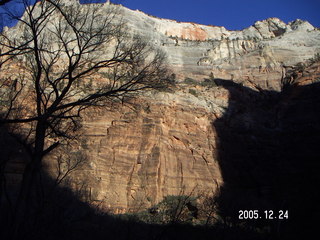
(232, 14)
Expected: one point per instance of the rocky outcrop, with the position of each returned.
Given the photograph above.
(256, 53)
(170, 143)
(138, 156)
(166, 143)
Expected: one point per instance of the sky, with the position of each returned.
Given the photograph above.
(232, 14)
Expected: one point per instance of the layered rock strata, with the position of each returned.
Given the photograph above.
(257, 53)
(168, 144)
(136, 156)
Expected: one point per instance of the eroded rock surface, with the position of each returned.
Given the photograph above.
(136, 157)
(167, 144)
(257, 53)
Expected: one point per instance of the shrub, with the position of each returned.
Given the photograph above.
(174, 209)
(193, 92)
(189, 80)
(208, 83)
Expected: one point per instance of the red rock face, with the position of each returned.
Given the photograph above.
(192, 32)
(169, 147)
(135, 158)
(195, 33)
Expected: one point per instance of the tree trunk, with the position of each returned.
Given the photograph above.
(29, 199)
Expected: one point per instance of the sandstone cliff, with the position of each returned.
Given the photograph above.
(137, 157)
(257, 53)
(166, 143)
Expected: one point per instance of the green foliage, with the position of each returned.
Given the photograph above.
(193, 92)
(189, 80)
(208, 83)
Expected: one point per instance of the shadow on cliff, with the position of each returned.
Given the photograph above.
(268, 152)
(268, 155)
(59, 213)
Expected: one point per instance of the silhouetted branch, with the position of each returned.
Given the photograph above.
(58, 51)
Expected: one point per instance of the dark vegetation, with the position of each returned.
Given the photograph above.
(269, 158)
(50, 84)
(193, 92)
(268, 153)
(209, 82)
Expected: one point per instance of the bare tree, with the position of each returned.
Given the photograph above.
(48, 68)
